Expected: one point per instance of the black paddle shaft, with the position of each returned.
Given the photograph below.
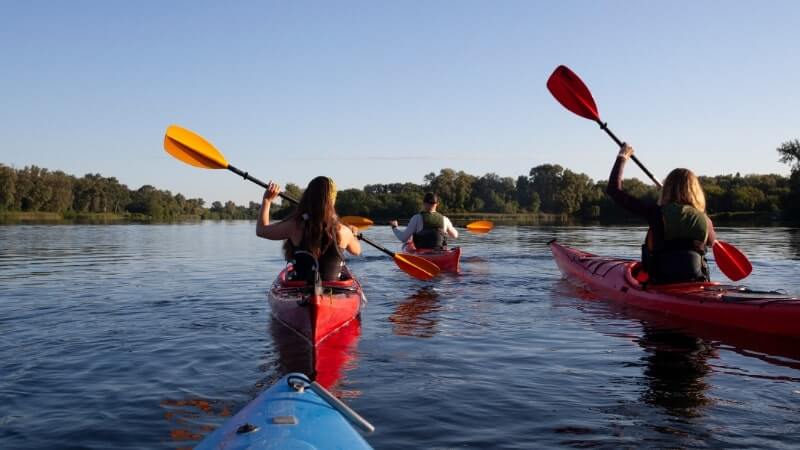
(376, 245)
(255, 180)
(604, 127)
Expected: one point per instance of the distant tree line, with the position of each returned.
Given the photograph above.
(547, 188)
(552, 189)
(34, 189)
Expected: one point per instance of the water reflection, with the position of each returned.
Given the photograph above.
(324, 363)
(416, 316)
(794, 241)
(189, 419)
(676, 366)
(773, 349)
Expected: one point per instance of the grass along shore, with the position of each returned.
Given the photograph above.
(752, 218)
(12, 217)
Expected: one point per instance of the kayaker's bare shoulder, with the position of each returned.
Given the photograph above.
(348, 239)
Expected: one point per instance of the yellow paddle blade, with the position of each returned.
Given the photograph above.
(356, 221)
(192, 149)
(480, 226)
(417, 267)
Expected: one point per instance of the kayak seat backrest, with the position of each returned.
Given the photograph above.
(635, 275)
(305, 268)
(289, 280)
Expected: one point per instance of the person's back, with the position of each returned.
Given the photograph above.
(679, 255)
(314, 238)
(432, 234)
(675, 246)
(329, 263)
(427, 229)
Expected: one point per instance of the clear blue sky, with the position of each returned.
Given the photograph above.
(387, 91)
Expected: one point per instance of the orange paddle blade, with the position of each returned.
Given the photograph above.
(480, 226)
(192, 149)
(731, 261)
(356, 221)
(416, 266)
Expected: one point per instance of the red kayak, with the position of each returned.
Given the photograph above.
(315, 316)
(712, 302)
(447, 259)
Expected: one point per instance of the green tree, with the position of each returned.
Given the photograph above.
(790, 154)
(453, 188)
(544, 180)
(32, 190)
(745, 198)
(60, 185)
(496, 194)
(8, 188)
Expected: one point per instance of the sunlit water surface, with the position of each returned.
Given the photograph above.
(149, 336)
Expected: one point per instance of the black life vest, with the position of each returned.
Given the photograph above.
(329, 263)
(675, 251)
(432, 234)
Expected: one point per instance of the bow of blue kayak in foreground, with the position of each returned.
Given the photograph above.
(293, 413)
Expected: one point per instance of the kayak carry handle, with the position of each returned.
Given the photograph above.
(299, 381)
(345, 410)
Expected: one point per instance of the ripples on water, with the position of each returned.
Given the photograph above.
(149, 336)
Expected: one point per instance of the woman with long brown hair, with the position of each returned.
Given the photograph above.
(680, 230)
(313, 229)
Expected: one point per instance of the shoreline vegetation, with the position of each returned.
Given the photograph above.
(548, 194)
(751, 218)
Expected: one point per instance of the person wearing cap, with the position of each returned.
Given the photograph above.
(313, 234)
(428, 228)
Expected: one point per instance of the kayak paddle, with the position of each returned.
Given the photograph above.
(193, 149)
(731, 261)
(480, 226)
(359, 222)
(573, 94)
(570, 91)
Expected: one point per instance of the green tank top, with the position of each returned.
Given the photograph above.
(683, 222)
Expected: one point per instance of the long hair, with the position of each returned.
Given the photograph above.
(683, 187)
(316, 215)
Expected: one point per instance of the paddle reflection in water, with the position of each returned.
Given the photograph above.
(186, 417)
(192, 419)
(417, 315)
(325, 363)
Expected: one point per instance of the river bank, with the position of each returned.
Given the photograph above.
(743, 219)
(54, 218)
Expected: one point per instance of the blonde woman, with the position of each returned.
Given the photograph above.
(312, 229)
(680, 231)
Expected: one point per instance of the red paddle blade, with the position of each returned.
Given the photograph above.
(570, 91)
(731, 261)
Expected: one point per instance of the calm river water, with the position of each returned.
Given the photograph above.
(149, 336)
